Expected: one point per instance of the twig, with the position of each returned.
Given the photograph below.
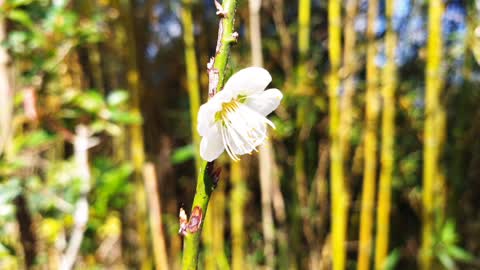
(82, 142)
(207, 176)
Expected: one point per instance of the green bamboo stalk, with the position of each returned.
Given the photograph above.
(192, 73)
(303, 108)
(136, 143)
(370, 164)
(339, 194)
(389, 77)
(434, 122)
(237, 221)
(304, 16)
(205, 181)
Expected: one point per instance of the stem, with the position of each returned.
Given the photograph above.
(434, 115)
(192, 74)
(370, 165)
(388, 141)
(339, 193)
(205, 181)
(205, 186)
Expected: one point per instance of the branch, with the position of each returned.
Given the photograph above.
(208, 177)
(82, 142)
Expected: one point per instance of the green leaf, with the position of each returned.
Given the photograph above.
(16, 3)
(183, 154)
(33, 139)
(117, 98)
(459, 253)
(9, 191)
(446, 260)
(21, 16)
(90, 101)
(392, 260)
(123, 117)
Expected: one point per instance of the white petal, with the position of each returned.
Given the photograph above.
(211, 146)
(265, 102)
(206, 114)
(245, 131)
(248, 81)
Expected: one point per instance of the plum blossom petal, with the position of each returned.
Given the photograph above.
(206, 116)
(211, 145)
(243, 130)
(264, 102)
(248, 81)
(234, 119)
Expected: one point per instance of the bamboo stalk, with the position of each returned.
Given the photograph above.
(6, 93)
(136, 143)
(339, 194)
(389, 78)
(155, 217)
(304, 16)
(370, 164)
(350, 68)
(266, 158)
(434, 120)
(284, 35)
(205, 181)
(237, 220)
(218, 217)
(192, 74)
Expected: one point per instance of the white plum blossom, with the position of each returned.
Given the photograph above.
(234, 119)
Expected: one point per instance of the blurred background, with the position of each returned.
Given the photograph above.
(374, 162)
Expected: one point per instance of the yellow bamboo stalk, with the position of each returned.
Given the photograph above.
(370, 150)
(155, 217)
(304, 14)
(434, 122)
(192, 74)
(350, 68)
(388, 143)
(237, 205)
(339, 194)
(304, 17)
(136, 144)
(218, 217)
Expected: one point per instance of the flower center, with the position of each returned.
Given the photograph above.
(229, 107)
(242, 128)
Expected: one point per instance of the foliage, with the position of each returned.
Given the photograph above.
(121, 72)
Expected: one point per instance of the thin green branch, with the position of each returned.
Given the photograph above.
(206, 178)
